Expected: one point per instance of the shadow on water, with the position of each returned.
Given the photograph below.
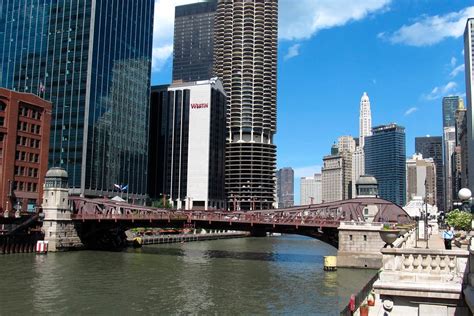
(238, 255)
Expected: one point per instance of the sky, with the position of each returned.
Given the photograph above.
(406, 54)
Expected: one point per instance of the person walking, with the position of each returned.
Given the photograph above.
(448, 237)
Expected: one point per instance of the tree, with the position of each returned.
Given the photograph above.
(459, 219)
(159, 204)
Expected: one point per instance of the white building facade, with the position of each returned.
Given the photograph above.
(421, 178)
(449, 139)
(332, 178)
(365, 129)
(365, 119)
(310, 190)
(195, 169)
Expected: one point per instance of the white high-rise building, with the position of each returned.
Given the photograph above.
(469, 71)
(346, 143)
(310, 190)
(365, 119)
(365, 129)
(358, 168)
(421, 178)
(449, 139)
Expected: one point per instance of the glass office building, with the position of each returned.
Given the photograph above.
(385, 158)
(193, 51)
(92, 59)
(432, 147)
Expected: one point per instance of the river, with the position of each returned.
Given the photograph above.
(250, 276)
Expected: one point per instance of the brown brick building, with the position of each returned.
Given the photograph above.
(25, 121)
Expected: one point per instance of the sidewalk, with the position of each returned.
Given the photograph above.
(435, 242)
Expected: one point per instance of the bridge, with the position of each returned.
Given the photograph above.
(102, 222)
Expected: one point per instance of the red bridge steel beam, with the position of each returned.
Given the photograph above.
(318, 215)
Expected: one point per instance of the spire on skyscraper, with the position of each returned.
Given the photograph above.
(365, 119)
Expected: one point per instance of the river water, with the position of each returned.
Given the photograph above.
(249, 276)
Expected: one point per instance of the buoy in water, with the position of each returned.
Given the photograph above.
(137, 242)
(330, 263)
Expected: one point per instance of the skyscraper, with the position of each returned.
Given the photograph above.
(92, 60)
(246, 59)
(365, 119)
(421, 178)
(346, 147)
(285, 187)
(449, 140)
(450, 105)
(385, 160)
(193, 51)
(365, 130)
(432, 147)
(332, 178)
(310, 190)
(189, 130)
(460, 151)
(157, 136)
(469, 71)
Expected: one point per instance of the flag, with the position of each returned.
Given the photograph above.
(42, 89)
(125, 187)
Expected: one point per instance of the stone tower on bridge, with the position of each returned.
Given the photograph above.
(59, 229)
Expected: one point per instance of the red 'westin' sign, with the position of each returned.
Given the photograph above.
(199, 105)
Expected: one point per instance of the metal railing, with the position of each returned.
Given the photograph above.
(360, 296)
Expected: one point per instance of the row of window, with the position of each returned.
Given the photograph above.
(28, 157)
(29, 142)
(31, 113)
(25, 186)
(31, 128)
(26, 172)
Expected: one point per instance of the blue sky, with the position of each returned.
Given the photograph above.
(406, 54)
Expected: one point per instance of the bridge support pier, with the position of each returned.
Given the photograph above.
(59, 230)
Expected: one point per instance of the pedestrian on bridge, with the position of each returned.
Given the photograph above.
(448, 237)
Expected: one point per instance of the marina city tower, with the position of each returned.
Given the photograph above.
(245, 50)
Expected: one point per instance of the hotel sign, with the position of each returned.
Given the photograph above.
(199, 105)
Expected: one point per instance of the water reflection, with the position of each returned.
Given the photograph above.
(197, 254)
(281, 275)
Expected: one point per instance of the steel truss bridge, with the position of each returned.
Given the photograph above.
(103, 219)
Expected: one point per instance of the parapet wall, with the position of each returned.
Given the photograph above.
(360, 245)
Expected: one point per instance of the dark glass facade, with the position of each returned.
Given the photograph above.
(285, 187)
(193, 51)
(450, 105)
(432, 147)
(92, 59)
(157, 145)
(385, 159)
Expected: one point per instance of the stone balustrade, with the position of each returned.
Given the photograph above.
(425, 273)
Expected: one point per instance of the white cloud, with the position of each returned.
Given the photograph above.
(303, 18)
(293, 51)
(456, 71)
(429, 30)
(441, 91)
(307, 171)
(453, 61)
(411, 110)
(163, 31)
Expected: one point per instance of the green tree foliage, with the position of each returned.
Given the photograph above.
(159, 204)
(459, 219)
